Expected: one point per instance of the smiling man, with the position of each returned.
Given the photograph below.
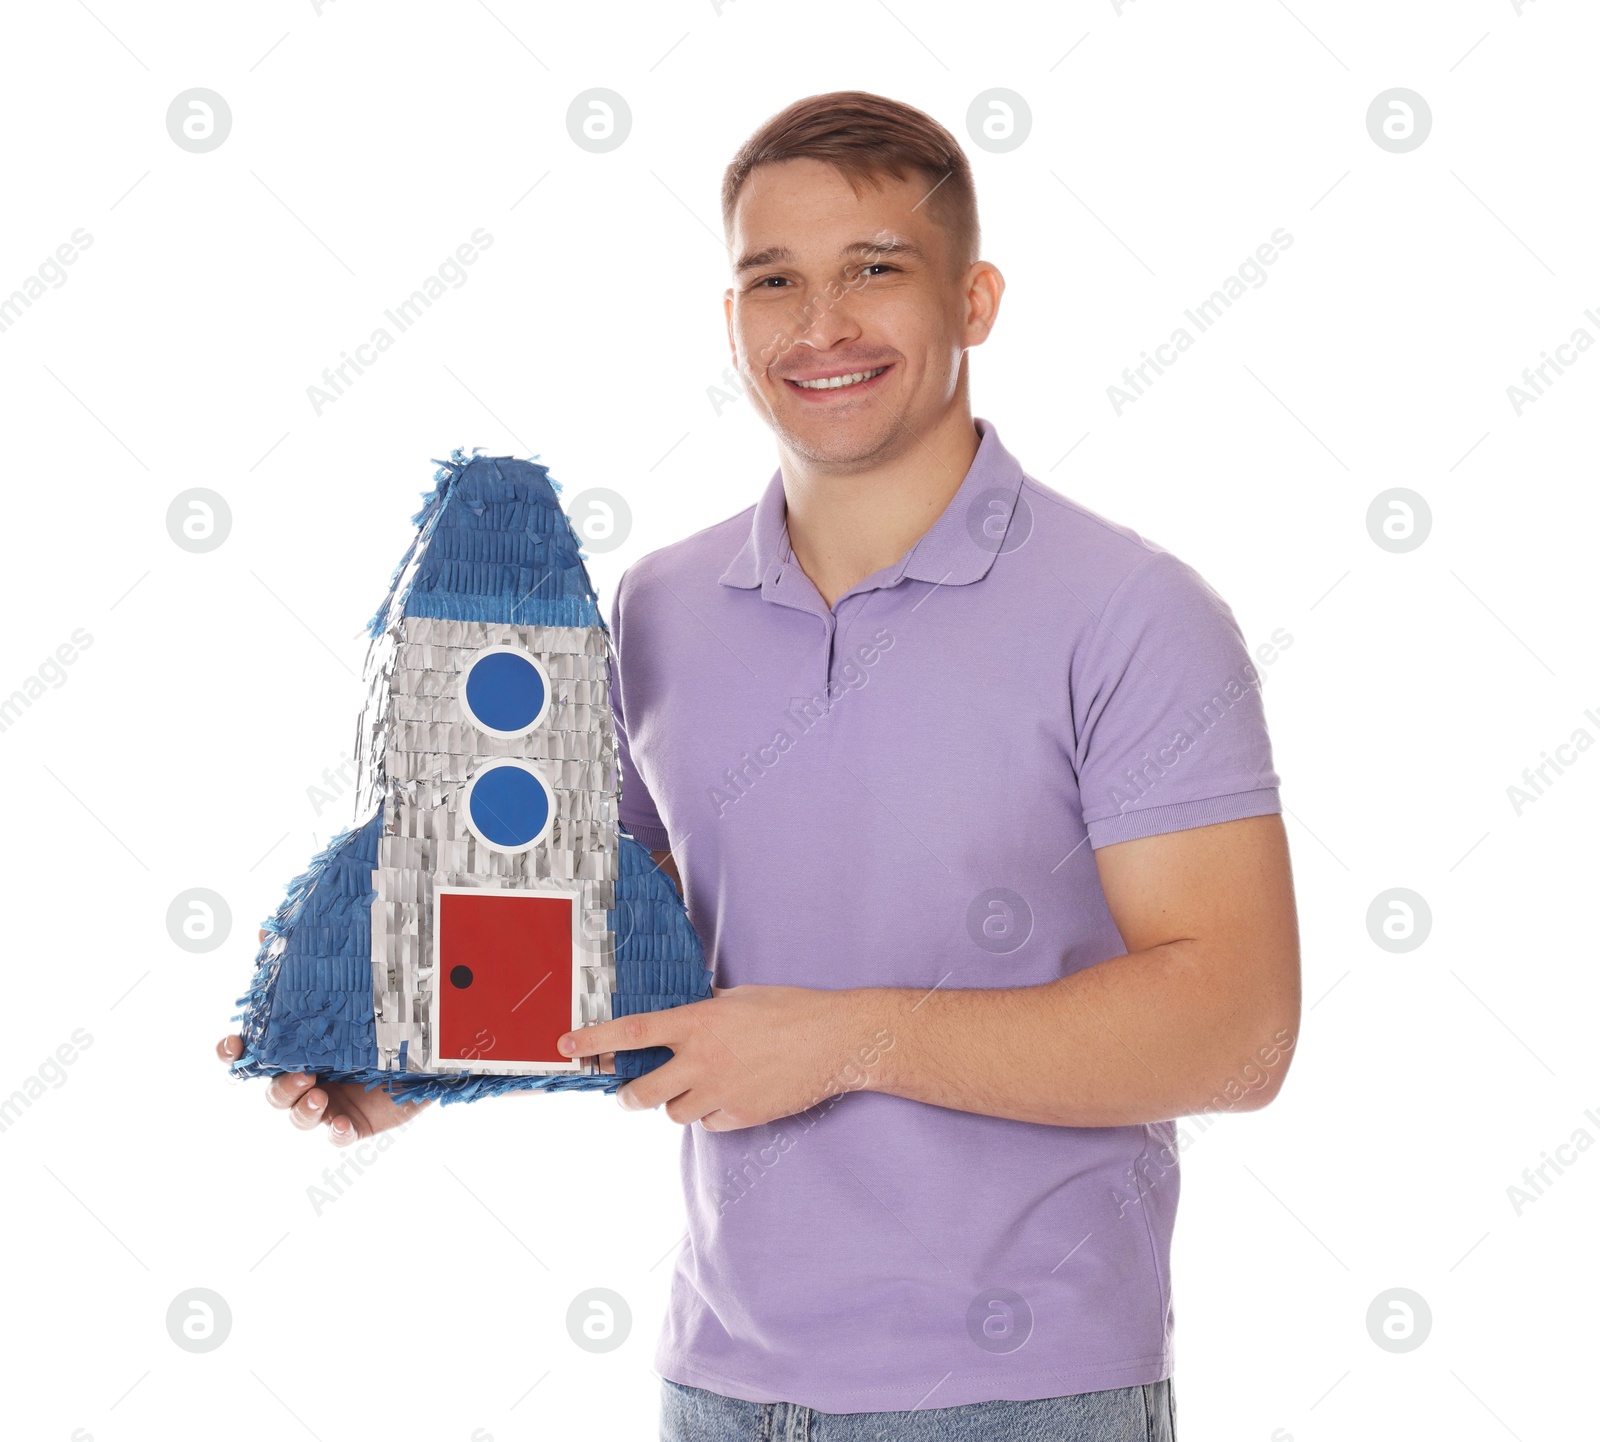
(971, 799)
(970, 796)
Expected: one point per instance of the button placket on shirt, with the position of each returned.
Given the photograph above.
(859, 600)
(859, 593)
(788, 585)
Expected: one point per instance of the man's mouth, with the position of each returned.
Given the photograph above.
(839, 382)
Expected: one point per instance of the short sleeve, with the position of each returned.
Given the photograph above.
(636, 808)
(1169, 730)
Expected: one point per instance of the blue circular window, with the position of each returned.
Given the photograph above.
(505, 691)
(509, 805)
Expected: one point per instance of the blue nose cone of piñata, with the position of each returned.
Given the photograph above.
(489, 901)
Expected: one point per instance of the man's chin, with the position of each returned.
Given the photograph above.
(839, 440)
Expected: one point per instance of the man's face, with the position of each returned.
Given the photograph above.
(829, 284)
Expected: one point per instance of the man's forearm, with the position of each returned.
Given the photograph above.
(1142, 1037)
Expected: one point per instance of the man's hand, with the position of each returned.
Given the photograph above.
(350, 1112)
(749, 1055)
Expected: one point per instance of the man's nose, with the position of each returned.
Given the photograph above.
(825, 322)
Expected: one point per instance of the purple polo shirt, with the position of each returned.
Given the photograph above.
(907, 791)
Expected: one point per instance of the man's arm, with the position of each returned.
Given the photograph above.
(1201, 1014)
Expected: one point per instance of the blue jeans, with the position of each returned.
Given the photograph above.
(1124, 1414)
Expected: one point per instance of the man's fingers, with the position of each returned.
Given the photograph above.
(629, 1033)
(587, 1040)
(230, 1048)
(666, 1082)
(285, 1089)
(311, 1110)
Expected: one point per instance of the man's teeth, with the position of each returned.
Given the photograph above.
(834, 382)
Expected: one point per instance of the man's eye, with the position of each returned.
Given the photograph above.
(879, 265)
(762, 283)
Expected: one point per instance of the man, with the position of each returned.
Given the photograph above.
(971, 797)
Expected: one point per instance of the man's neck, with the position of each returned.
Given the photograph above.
(843, 526)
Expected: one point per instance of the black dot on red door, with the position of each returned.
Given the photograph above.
(461, 976)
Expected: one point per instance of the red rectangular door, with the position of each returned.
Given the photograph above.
(504, 976)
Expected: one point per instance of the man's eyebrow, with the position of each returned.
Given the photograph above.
(891, 246)
(770, 256)
(774, 254)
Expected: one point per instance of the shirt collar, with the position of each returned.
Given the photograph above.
(958, 548)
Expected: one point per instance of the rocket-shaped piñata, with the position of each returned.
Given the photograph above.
(489, 902)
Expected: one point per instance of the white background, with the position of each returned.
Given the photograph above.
(368, 142)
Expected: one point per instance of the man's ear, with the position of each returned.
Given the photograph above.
(984, 285)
